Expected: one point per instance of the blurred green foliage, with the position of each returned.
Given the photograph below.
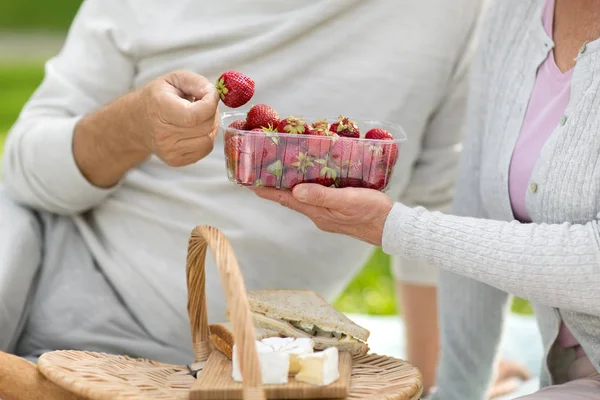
(50, 15)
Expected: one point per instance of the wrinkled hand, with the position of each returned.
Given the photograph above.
(177, 117)
(356, 212)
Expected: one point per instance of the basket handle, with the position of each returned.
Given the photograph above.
(235, 294)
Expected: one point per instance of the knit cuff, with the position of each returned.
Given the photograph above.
(397, 230)
(49, 155)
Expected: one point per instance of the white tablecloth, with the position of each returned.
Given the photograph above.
(521, 342)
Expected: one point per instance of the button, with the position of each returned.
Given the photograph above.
(533, 187)
(582, 49)
(563, 120)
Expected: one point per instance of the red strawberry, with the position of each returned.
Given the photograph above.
(378, 133)
(319, 147)
(235, 88)
(262, 116)
(321, 124)
(372, 154)
(293, 126)
(235, 147)
(351, 175)
(388, 152)
(321, 173)
(345, 150)
(345, 127)
(290, 154)
(269, 176)
(377, 178)
(265, 146)
(292, 177)
(238, 124)
(245, 172)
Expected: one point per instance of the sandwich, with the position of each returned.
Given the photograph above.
(297, 314)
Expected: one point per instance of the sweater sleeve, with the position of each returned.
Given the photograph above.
(556, 265)
(93, 67)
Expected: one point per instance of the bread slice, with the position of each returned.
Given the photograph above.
(221, 336)
(285, 329)
(303, 313)
(304, 306)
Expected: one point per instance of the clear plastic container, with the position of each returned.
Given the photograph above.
(282, 160)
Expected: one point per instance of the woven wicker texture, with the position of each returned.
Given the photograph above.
(101, 376)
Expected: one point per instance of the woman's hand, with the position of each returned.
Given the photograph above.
(356, 212)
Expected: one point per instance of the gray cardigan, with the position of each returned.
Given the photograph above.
(555, 261)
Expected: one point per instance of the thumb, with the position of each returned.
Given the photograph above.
(318, 195)
(190, 84)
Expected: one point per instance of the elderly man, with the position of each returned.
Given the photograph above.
(116, 157)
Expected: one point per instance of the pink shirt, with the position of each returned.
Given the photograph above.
(549, 99)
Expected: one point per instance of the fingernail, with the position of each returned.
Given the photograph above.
(300, 192)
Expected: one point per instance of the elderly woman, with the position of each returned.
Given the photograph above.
(527, 204)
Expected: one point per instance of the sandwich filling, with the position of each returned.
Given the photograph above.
(312, 330)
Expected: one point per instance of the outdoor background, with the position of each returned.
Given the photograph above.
(31, 31)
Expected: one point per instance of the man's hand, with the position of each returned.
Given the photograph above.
(174, 117)
(356, 212)
(179, 117)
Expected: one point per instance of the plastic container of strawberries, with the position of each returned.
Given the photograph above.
(283, 160)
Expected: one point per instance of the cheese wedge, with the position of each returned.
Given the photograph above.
(277, 357)
(274, 365)
(320, 368)
(294, 347)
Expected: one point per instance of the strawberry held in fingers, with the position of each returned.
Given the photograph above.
(262, 116)
(235, 88)
(345, 127)
(293, 126)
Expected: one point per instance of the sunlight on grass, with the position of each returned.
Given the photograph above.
(372, 291)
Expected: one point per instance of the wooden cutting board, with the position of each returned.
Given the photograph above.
(215, 383)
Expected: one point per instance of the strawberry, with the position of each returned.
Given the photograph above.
(293, 126)
(319, 147)
(345, 127)
(388, 152)
(265, 146)
(351, 175)
(269, 176)
(379, 134)
(235, 88)
(321, 173)
(291, 177)
(345, 150)
(377, 178)
(290, 154)
(239, 124)
(245, 172)
(235, 147)
(320, 124)
(262, 116)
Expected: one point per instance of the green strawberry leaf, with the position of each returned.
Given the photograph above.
(276, 168)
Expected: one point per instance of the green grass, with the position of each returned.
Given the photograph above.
(372, 291)
(45, 15)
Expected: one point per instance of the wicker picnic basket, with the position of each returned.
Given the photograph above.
(99, 376)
